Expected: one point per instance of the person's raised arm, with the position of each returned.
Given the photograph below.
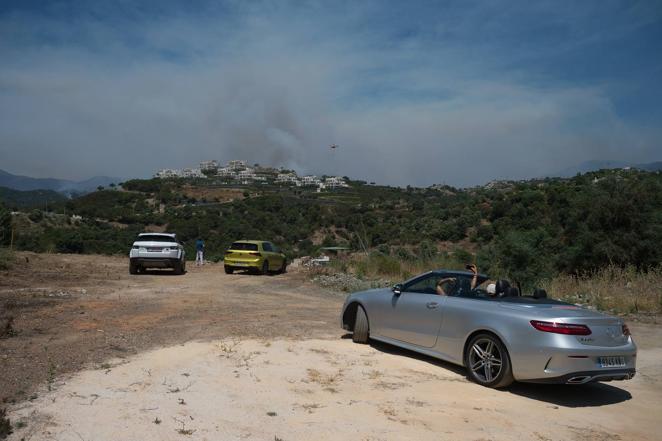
(440, 289)
(474, 279)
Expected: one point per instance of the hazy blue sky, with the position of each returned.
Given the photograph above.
(418, 92)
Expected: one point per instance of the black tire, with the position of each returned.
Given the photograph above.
(178, 269)
(133, 268)
(487, 362)
(283, 268)
(228, 269)
(361, 327)
(265, 268)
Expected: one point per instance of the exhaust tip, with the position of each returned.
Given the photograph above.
(579, 380)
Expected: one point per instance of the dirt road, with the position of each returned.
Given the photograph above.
(70, 311)
(101, 355)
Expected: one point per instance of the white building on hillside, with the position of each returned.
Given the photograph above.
(310, 180)
(335, 182)
(236, 165)
(192, 173)
(226, 172)
(209, 166)
(167, 173)
(288, 179)
(247, 175)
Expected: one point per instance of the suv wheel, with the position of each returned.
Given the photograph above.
(133, 268)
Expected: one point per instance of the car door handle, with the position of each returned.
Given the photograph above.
(432, 305)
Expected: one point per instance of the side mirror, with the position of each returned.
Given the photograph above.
(397, 289)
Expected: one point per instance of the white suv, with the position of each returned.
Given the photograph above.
(157, 250)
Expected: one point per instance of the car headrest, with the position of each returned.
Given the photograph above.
(539, 293)
(501, 287)
(512, 292)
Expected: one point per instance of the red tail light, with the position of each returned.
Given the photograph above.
(626, 330)
(255, 254)
(561, 328)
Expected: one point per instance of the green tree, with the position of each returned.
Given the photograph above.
(5, 225)
(524, 257)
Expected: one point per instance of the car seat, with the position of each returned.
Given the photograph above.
(539, 293)
(501, 288)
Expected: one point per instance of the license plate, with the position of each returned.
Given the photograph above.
(239, 264)
(609, 362)
(154, 250)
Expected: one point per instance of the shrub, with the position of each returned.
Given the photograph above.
(5, 424)
(6, 258)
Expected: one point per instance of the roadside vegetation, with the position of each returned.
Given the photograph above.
(553, 232)
(616, 289)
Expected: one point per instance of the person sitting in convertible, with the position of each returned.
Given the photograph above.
(450, 285)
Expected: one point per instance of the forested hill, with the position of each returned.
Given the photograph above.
(548, 226)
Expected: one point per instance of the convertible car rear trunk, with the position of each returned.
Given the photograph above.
(605, 331)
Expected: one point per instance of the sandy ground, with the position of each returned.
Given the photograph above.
(207, 356)
(327, 390)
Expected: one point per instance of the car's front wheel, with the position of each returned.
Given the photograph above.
(228, 269)
(361, 327)
(133, 268)
(487, 361)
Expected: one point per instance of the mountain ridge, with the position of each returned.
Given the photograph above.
(65, 186)
(601, 164)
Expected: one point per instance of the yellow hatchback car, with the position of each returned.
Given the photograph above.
(255, 255)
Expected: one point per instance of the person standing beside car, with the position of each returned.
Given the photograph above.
(199, 252)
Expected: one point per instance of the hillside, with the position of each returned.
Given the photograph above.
(29, 199)
(526, 229)
(596, 165)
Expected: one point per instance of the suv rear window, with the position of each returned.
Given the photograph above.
(244, 246)
(155, 238)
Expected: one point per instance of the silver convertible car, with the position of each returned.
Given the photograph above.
(499, 338)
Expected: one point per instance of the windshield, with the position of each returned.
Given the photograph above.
(155, 238)
(244, 246)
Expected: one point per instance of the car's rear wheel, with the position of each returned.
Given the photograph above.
(487, 361)
(178, 268)
(361, 327)
(265, 267)
(228, 269)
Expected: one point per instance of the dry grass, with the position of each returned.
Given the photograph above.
(376, 265)
(614, 289)
(328, 380)
(374, 374)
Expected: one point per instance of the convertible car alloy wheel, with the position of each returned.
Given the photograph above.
(485, 359)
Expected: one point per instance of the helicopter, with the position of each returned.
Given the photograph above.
(333, 146)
